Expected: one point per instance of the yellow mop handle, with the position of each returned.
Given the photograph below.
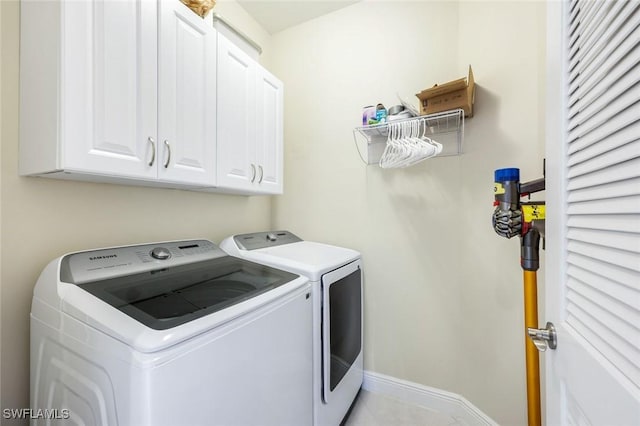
(533, 367)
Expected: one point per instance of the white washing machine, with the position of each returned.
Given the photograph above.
(175, 333)
(336, 285)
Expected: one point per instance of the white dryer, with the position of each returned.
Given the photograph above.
(336, 285)
(175, 333)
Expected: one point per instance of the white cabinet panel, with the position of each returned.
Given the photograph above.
(108, 86)
(187, 97)
(236, 116)
(269, 137)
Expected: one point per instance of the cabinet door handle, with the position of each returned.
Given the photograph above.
(253, 169)
(261, 174)
(153, 151)
(166, 143)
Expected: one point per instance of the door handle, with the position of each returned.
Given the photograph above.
(253, 169)
(544, 338)
(261, 174)
(166, 143)
(153, 151)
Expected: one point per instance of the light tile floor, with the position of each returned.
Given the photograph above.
(372, 409)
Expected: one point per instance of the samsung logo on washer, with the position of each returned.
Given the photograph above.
(106, 256)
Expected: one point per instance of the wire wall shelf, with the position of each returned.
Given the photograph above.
(444, 130)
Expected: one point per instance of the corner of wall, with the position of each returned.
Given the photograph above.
(438, 400)
(235, 14)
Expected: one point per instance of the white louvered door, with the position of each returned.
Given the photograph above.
(593, 212)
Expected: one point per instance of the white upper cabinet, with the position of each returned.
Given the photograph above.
(108, 86)
(269, 136)
(108, 94)
(236, 116)
(88, 87)
(250, 139)
(187, 96)
(144, 92)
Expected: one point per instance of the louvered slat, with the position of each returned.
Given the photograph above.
(578, 13)
(583, 16)
(592, 285)
(622, 137)
(622, 240)
(617, 282)
(621, 258)
(619, 173)
(606, 159)
(610, 40)
(611, 346)
(573, 16)
(603, 181)
(605, 191)
(606, 222)
(590, 30)
(609, 59)
(626, 74)
(617, 320)
(592, 134)
(619, 205)
(607, 112)
(608, 33)
(620, 22)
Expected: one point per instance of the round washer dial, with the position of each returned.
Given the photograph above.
(160, 253)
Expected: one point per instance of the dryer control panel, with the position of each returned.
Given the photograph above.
(94, 265)
(258, 240)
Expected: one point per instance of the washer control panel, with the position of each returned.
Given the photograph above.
(95, 265)
(258, 240)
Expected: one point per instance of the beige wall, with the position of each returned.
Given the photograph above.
(43, 218)
(443, 293)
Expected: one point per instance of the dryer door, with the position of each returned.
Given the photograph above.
(341, 324)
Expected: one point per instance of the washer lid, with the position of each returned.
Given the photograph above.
(259, 240)
(168, 297)
(306, 258)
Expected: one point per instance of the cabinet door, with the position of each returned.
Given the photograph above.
(236, 117)
(108, 87)
(269, 137)
(187, 97)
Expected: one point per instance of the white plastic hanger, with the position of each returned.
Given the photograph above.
(406, 146)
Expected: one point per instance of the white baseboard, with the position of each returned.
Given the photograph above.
(444, 402)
